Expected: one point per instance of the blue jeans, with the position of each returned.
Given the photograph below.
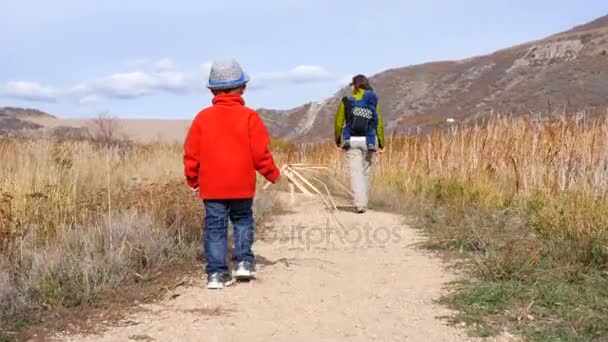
(215, 234)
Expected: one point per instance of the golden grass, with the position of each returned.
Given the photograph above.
(522, 155)
(510, 158)
(72, 176)
(525, 200)
(78, 217)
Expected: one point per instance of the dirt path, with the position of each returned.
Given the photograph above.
(315, 284)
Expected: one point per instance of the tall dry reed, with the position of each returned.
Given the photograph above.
(78, 217)
(525, 199)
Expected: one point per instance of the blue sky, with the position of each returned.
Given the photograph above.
(135, 58)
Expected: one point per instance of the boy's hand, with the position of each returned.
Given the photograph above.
(194, 189)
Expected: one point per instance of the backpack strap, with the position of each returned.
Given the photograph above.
(348, 108)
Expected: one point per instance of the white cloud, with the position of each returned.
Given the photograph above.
(134, 84)
(89, 99)
(299, 74)
(30, 91)
(153, 77)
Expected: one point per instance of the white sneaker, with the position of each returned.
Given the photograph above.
(218, 281)
(244, 271)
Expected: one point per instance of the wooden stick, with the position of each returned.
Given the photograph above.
(344, 188)
(329, 204)
(307, 165)
(313, 170)
(292, 179)
(297, 174)
(329, 196)
(335, 211)
(309, 170)
(292, 193)
(310, 167)
(296, 179)
(333, 214)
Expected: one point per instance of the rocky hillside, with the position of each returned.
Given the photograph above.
(564, 72)
(23, 113)
(17, 119)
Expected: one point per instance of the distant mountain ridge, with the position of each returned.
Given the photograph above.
(564, 72)
(16, 112)
(13, 119)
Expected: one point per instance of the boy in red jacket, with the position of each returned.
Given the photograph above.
(226, 145)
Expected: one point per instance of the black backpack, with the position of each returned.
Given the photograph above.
(358, 116)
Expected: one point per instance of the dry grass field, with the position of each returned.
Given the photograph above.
(139, 130)
(79, 217)
(519, 204)
(522, 204)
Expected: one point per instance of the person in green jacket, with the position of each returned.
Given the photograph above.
(357, 152)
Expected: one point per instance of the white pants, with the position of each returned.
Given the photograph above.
(360, 165)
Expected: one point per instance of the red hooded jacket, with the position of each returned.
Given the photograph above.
(225, 146)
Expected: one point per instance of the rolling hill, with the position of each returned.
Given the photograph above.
(14, 119)
(566, 72)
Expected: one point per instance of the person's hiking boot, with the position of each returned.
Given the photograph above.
(245, 271)
(219, 280)
(360, 210)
